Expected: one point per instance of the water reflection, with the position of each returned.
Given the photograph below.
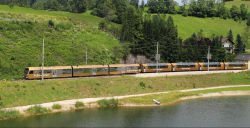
(209, 112)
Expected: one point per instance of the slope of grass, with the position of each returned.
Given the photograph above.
(237, 3)
(19, 93)
(66, 43)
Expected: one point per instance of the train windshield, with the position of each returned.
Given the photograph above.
(26, 71)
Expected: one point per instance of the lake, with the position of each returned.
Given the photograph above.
(205, 112)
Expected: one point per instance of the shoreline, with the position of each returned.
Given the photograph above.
(68, 105)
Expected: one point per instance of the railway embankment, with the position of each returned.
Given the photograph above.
(21, 95)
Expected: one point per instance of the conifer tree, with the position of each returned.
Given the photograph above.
(230, 35)
(240, 47)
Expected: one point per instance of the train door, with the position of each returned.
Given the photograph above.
(54, 73)
(144, 68)
(94, 70)
(173, 68)
(200, 67)
(123, 70)
(225, 66)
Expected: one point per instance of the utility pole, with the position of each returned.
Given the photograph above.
(86, 55)
(208, 57)
(42, 59)
(157, 59)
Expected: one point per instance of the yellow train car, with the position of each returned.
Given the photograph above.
(212, 66)
(152, 67)
(115, 69)
(185, 66)
(48, 72)
(90, 70)
(236, 65)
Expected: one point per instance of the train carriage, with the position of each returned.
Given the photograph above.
(49, 72)
(90, 70)
(152, 67)
(185, 66)
(124, 69)
(212, 66)
(236, 65)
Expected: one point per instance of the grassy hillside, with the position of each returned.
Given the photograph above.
(66, 42)
(237, 3)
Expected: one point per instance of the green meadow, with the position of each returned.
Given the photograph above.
(20, 93)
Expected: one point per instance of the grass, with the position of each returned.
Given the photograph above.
(229, 4)
(169, 98)
(37, 92)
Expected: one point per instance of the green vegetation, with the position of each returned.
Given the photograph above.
(169, 98)
(20, 93)
(108, 103)
(79, 104)
(9, 114)
(66, 42)
(38, 109)
(57, 106)
(229, 4)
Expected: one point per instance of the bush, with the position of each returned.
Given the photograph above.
(108, 103)
(9, 114)
(57, 106)
(79, 104)
(142, 84)
(37, 109)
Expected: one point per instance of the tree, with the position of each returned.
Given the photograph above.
(245, 36)
(11, 6)
(32, 2)
(80, 6)
(184, 2)
(248, 22)
(230, 35)
(235, 12)
(240, 47)
(200, 34)
(243, 11)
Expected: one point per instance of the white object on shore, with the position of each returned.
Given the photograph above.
(157, 102)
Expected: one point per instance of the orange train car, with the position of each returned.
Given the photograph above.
(90, 70)
(49, 72)
(185, 66)
(152, 67)
(212, 66)
(236, 65)
(115, 69)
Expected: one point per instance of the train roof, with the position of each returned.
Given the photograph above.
(236, 63)
(49, 68)
(212, 63)
(90, 66)
(124, 65)
(185, 63)
(155, 64)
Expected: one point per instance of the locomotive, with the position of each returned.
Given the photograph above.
(119, 69)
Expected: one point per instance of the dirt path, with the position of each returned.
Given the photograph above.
(91, 102)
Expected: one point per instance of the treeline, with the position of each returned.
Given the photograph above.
(200, 8)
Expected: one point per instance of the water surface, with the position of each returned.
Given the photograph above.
(207, 112)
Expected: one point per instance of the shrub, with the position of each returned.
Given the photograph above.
(142, 84)
(57, 106)
(37, 109)
(108, 103)
(79, 104)
(51, 23)
(9, 114)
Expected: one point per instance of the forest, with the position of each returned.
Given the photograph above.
(139, 26)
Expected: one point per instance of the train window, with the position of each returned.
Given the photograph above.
(163, 66)
(219, 65)
(66, 71)
(86, 70)
(151, 67)
(31, 72)
(26, 71)
(113, 69)
(78, 70)
(236, 65)
(102, 69)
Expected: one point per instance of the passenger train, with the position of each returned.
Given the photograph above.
(119, 69)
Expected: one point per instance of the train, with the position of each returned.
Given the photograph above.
(119, 69)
